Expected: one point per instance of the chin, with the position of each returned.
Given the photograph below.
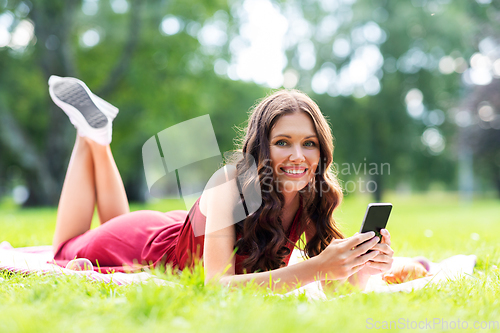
(289, 186)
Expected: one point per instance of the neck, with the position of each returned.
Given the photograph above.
(291, 199)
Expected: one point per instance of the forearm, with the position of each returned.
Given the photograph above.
(285, 278)
(330, 286)
(359, 279)
(356, 280)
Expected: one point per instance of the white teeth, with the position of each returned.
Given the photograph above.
(294, 171)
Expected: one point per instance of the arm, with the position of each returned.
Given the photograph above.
(220, 238)
(219, 266)
(341, 259)
(339, 263)
(281, 279)
(358, 279)
(379, 264)
(326, 285)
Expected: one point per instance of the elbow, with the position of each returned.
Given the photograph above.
(224, 280)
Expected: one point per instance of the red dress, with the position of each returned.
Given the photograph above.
(148, 238)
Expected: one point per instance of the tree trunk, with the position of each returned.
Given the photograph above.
(377, 194)
(496, 177)
(41, 182)
(46, 168)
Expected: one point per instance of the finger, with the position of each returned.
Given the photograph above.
(386, 236)
(382, 258)
(365, 258)
(356, 269)
(384, 248)
(363, 248)
(359, 238)
(382, 267)
(371, 255)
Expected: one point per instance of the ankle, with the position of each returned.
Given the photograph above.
(94, 145)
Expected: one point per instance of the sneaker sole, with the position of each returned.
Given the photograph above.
(74, 94)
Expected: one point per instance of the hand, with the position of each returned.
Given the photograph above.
(383, 261)
(343, 257)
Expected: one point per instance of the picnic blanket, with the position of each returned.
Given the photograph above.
(36, 260)
(452, 268)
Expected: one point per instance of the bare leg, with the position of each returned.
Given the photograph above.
(111, 197)
(78, 195)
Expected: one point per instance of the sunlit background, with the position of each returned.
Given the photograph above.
(410, 83)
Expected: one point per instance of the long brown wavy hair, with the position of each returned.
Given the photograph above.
(263, 238)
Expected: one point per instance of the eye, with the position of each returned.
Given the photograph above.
(310, 144)
(280, 143)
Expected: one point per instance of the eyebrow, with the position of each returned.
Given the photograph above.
(288, 136)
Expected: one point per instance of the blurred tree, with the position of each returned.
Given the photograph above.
(482, 135)
(47, 48)
(381, 70)
(479, 112)
(387, 73)
(144, 57)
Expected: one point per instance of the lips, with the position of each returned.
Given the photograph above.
(294, 171)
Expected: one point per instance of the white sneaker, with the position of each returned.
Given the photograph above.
(91, 115)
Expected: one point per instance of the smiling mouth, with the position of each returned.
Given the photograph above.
(294, 172)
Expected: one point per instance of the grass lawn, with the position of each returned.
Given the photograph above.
(436, 225)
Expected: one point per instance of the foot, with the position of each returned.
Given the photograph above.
(91, 115)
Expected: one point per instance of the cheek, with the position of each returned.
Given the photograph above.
(314, 157)
(277, 157)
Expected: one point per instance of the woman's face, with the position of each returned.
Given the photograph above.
(294, 151)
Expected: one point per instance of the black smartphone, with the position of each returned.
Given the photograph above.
(376, 217)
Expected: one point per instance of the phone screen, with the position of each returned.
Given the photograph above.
(376, 217)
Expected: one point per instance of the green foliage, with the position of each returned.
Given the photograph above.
(167, 80)
(158, 80)
(378, 128)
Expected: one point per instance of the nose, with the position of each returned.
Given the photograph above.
(297, 155)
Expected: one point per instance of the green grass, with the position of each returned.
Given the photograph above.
(60, 304)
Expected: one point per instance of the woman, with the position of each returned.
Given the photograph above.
(291, 143)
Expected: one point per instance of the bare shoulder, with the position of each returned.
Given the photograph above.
(221, 201)
(219, 198)
(219, 185)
